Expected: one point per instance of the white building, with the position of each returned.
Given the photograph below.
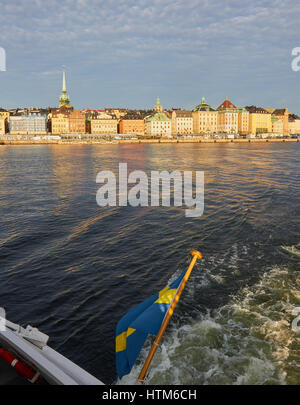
(158, 125)
(28, 124)
(182, 122)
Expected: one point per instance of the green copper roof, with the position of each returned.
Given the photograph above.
(157, 117)
(242, 110)
(203, 106)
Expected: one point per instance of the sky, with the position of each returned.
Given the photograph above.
(125, 53)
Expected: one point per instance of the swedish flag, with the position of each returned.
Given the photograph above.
(133, 329)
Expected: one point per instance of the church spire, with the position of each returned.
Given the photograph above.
(64, 86)
(64, 98)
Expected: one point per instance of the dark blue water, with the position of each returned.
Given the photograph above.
(73, 269)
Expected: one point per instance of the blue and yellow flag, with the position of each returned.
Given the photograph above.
(144, 319)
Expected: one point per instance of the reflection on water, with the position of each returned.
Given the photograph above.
(73, 269)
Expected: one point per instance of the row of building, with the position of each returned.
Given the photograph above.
(202, 120)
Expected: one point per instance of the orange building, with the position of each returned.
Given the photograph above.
(132, 123)
(77, 123)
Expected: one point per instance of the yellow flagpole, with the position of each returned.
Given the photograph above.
(196, 255)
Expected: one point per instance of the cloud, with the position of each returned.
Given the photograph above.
(218, 37)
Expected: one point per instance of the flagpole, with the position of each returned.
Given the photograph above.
(196, 255)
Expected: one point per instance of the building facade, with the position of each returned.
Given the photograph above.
(3, 126)
(243, 121)
(259, 120)
(4, 118)
(277, 126)
(158, 125)
(294, 124)
(32, 124)
(205, 119)
(182, 122)
(283, 115)
(77, 122)
(228, 118)
(132, 123)
(60, 121)
(104, 124)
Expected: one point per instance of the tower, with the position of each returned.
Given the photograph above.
(158, 107)
(64, 98)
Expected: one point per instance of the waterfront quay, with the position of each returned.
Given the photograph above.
(28, 140)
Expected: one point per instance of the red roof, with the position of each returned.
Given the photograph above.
(226, 104)
(88, 110)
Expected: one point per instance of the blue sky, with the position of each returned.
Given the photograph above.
(125, 53)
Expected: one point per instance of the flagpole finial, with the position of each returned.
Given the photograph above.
(197, 254)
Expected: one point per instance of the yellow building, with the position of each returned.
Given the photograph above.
(243, 121)
(259, 120)
(205, 119)
(3, 126)
(182, 122)
(4, 117)
(105, 124)
(60, 120)
(294, 124)
(228, 118)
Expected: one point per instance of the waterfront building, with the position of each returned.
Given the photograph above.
(259, 120)
(205, 119)
(4, 117)
(31, 124)
(182, 122)
(243, 121)
(132, 123)
(105, 124)
(277, 126)
(158, 125)
(60, 120)
(283, 115)
(64, 100)
(3, 126)
(77, 122)
(294, 124)
(227, 117)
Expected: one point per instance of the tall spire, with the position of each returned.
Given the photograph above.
(64, 98)
(64, 86)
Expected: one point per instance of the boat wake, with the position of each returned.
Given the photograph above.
(294, 249)
(247, 341)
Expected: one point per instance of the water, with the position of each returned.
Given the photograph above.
(74, 269)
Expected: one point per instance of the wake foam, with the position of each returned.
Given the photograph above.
(247, 341)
